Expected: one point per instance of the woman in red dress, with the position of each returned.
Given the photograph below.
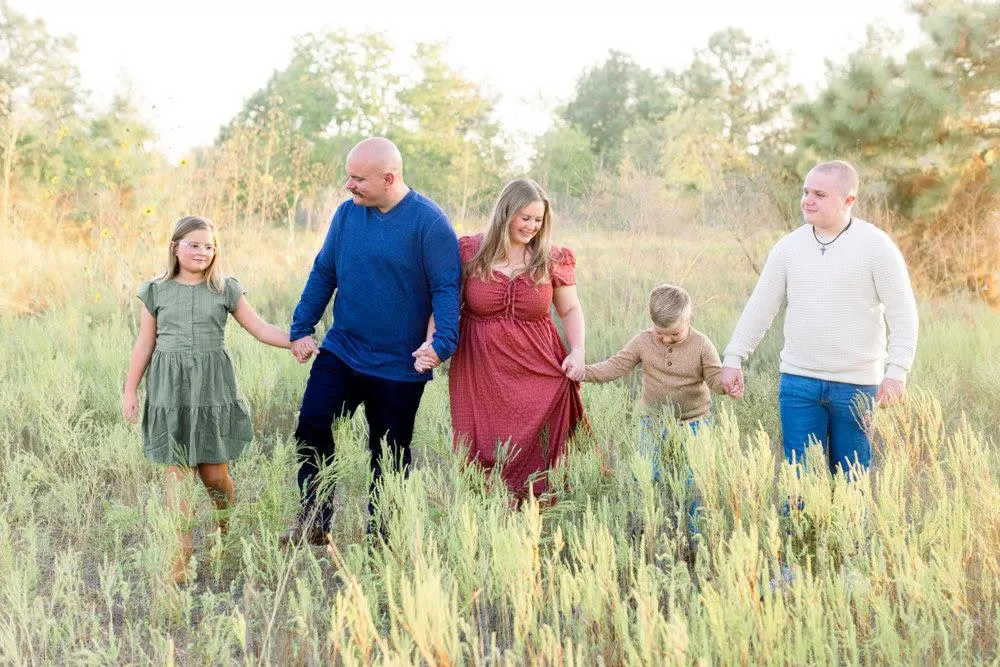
(512, 402)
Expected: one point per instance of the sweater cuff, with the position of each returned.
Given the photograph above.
(732, 361)
(440, 350)
(297, 333)
(895, 372)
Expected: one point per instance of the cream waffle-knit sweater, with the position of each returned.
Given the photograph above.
(851, 316)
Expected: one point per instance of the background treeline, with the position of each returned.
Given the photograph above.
(726, 139)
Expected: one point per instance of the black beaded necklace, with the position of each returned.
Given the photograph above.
(824, 244)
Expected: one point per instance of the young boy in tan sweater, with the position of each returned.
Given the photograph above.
(680, 367)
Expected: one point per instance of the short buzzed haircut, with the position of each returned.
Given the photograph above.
(844, 172)
(668, 304)
(380, 152)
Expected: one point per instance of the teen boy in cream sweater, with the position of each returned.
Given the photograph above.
(850, 322)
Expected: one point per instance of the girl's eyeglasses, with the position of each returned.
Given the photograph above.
(208, 247)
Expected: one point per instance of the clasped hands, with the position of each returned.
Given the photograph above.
(731, 380)
(303, 348)
(574, 365)
(425, 358)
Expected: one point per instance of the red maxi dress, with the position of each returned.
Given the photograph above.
(505, 381)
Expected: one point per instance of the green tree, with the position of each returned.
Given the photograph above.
(745, 85)
(291, 135)
(450, 138)
(100, 155)
(337, 86)
(564, 162)
(612, 97)
(39, 95)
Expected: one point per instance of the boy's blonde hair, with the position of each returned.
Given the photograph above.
(668, 305)
(214, 277)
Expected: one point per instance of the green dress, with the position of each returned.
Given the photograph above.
(193, 411)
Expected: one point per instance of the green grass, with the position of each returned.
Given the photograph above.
(900, 567)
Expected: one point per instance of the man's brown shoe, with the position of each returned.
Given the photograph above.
(311, 534)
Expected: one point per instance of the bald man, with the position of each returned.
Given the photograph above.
(389, 262)
(850, 322)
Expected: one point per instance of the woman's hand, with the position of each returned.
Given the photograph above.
(574, 365)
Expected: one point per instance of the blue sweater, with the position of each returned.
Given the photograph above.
(390, 271)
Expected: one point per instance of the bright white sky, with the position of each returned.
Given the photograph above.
(192, 63)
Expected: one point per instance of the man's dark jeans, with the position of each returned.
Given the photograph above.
(336, 390)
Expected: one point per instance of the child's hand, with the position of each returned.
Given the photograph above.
(130, 407)
(731, 380)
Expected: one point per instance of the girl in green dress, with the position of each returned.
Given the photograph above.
(194, 420)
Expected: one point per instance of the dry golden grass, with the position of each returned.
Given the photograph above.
(900, 567)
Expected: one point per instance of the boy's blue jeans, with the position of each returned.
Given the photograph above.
(836, 414)
(652, 434)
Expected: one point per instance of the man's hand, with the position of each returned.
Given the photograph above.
(303, 348)
(732, 381)
(889, 392)
(425, 358)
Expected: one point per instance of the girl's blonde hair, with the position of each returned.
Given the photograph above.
(514, 197)
(214, 276)
(668, 305)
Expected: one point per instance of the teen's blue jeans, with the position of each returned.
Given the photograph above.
(836, 414)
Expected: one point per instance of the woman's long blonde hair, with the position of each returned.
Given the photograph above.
(214, 276)
(495, 248)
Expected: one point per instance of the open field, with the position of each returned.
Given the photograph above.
(901, 567)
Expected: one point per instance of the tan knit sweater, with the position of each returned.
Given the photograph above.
(679, 375)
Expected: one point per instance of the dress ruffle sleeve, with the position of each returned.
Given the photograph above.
(468, 246)
(232, 293)
(147, 296)
(562, 266)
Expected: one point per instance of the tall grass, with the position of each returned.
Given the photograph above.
(901, 566)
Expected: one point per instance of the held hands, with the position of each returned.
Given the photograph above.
(426, 358)
(130, 407)
(889, 392)
(574, 365)
(303, 348)
(732, 381)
